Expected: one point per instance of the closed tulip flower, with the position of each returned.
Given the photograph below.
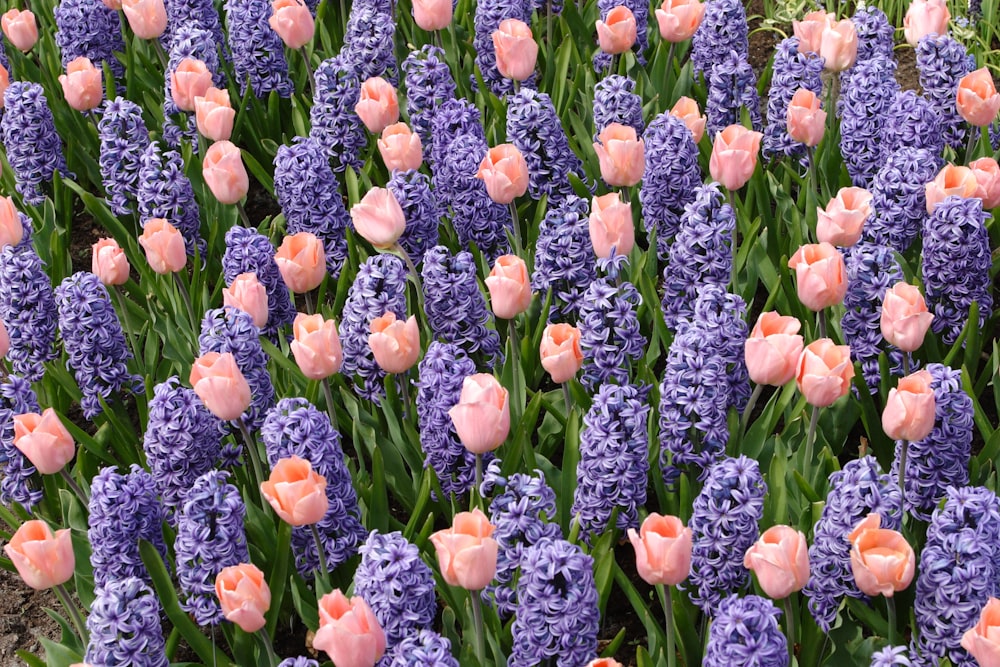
(348, 631)
(147, 18)
(82, 84)
(560, 351)
(4, 341)
(4, 82)
(247, 294)
(214, 114)
(20, 28)
(164, 246)
(482, 415)
(951, 180)
(379, 218)
(296, 492)
(909, 409)
(820, 275)
(843, 219)
(982, 640)
(293, 22)
(509, 286)
(780, 559)
(687, 110)
(734, 156)
(772, 351)
(622, 155)
(395, 343)
(466, 552)
(516, 50)
(244, 595)
(400, 148)
(824, 372)
(925, 17)
(810, 31)
(44, 440)
(114, 5)
(839, 45)
(109, 263)
(977, 99)
(662, 550)
(224, 173)
(220, 385)
(432, 15)
(11, 229)
(378, 106)
(611, 225)
(316, 347)
(190, 79)
(616, 33)
(505, 173)
(679, 19)
(604, 662)
(987, 173)
(882, 560)
(301, 261)
(43, 559)
(905, 319)
(806, 120)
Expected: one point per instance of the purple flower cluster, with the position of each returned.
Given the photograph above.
(412, 190)
(334, 123)
(210, 537)
(858, 490)
(639, 9)
(723, 29)
(452, 119)
(615, 102)
(90, 30)
(864, 103)
(564, 258)
(368, 41)
(875, 34)
(942, 62)
(424, 649)
(299, 661)
(124, 626)
(790, 72)
(557, 614)
(16, 397)
(489, 15)
(124, 139)
(731, 85)
(670, 181)
(899, 201)
(745, 633)
(610, 336)
(28, 309)
(249, 251)
(429, 84)
(200, 44)
(724, 525)
(258, 53)
(956, 265)
(911, 121)
(891, 656)
(165, 192)
(192, 14)
(295, 428)
(722, 318)
(30, 140)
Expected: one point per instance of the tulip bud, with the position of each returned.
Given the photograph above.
(224, 173)
(772, 351)
(617, 32)
(843, 219)
(982, 640)
(293, 22)
(147, 18)
(348, 631)
(987, 173)
(109, 263)
(190, 79)
(516, 50)
(839, 45)
(164, 246)
(925, 17)
(82, 84)
(951, 180)
(220, 385)
(395, 344)
(301, 261)
(820, 275)
(509, 286)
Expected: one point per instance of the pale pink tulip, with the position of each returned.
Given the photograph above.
(509, 287)
(820, 275)
(82, 84)
(516, 50)
(466, 552)
(379, 218)
(378, 106)
(482, 415)
(505, 173)
(616, 33)
(221, 386)
(400, 148)
(560, 351)
(43, 559)
(925, 17)
(734, 156)
(882, 560)
(662, 550)
(780, 559)
(905, 319)
(806, 121)
(951, 180)
(622, 155)
(824, 372)
(296, 492)
(909, 409)
(293, 22)
(611, 226)
(679, 19)
(843, 219)
(395, 344)
(772, 351)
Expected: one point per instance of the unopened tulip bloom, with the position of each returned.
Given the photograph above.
(379, 218)
(224, 173)
(20, 28)
(810, 31)
(604, 662)
(806, 120)
(616, 33)
(824, 372)
(977, 99)
(505, 173)
(395, 344)
(909, 409)
(11, 229)
(687, 110)
(982, 640)
(293, 22)
(247, 294)
(400, 148)
(44, 440)
(214, 114)
(43, 559)
(466, 552)
(772, 351)
(164, 246)
(622, 155)
(190, 79)
(220, 385)
(509, 286)
(482, 415)
(951, 180)
(734, 156)
(244, 595)
(114, 5)
(316, 346)
(611, 225)
(882, 560)
(925, 17)
(780, 559)
(820, 275)
(432, 15)
(839, 45)
(378, 106)
(905, 318)
(679, 19)
(516, 50)
(301, 261)
(147, 18)
(843, 219)
(560, 351)
(348, 631)
(82, 84)
(4, 341)
(296, 492)
(987, 173)
(4, 82)
(109, 263)
(662, 550)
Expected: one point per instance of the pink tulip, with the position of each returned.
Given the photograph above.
(220, 385)
(987, 174)
(4, 83)
(348, 631)
(679, 19)
(395, 344)
(82, 84)
(147, 18)
(378, 106)
(247, 294)
(905, 319)
(400, 148)
(951, 180)
(560, 351)
(244, 595)
(432, 15)
(734, 156)
(604, 662)
(190, 79)
(214, 114)
(44, 441)
(982, 640)
(977, 98)
(43, 559)
(20, 28)
(482, 415)
(4, 341)
(925, 17)
(824, 372)
(224, 173)
(296, 492)
(806, 120)
(505, 173)
(379, 218)
(820, 275)
(466, 552)
(909, 409)
(516, 50)
(109, 263)
(780, 559)
(772, 351)
(164, 246)
(11, 228)
(882, 560)
(113, 5)
(622, 155)
(810, 31)
(687, 110)
(301, 261)
(509, 286)
(662, 550)
(616, 33)
(611, 226)
(843, 219)
(839, 45)
(316, 347)
(293, 22)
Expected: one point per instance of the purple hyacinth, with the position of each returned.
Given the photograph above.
(455, 308)
(489, 15)
(911, 121)
(28, 309)
(299, 661)
(16, 397)
(557, 613)
(958, 575)
(724, 525)
(258, 53)
(535, 129)
(670, 180)
(368, 41)
(89, 30)
(899, 198)
(199, 44)
(956, 265)
(379, 287)
(333, 121)
(124, 139)
(858, 490)
(165, 192)
(790, 72)
(610, 337)
(942, 62)
(309, 195)
(614, 460)
(429, 84)
(412, 190)
(124, 626)
(30, 140)
(875, 33)
(745, 633)
(871, 270)
(864, 103)
(249, 251)
(564, 258)
(891, 656)
(722, 317)
(210, 537)
(192, 15)
(424, 649)
(523, 513)
(398, 586)
(615, 102)
(639, 9)
(124, 508)
(941, 459)
(453, 119)
(295, 428)
(723, 29)
(732, 84)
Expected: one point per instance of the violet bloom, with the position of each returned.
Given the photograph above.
(124, 626)
(452, 119)
(199, 44)
(249, 251)
(426, 648)
(89, 30)
(564, 258)
(732, 85)
(299, 661)
(722, 317)
(640, 10)
(891, 656)
(412, 189)
(29, 136)
(942, 62)
(165, 192)
(28, 309)
(610, 336)
(258, 53)
(723, 29)
(368, 42)
(899, 198)
(863, 106)
(615, 102)
(333, 121)
(124, 139)
(192, 15)
(489, 15)
(911, 121)
(670, 181)
(16, 397)
(875, 33)
(745, 633)
(790, 72)
(429, 84)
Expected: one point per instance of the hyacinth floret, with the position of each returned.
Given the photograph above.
(16, 397)
(942, 62)
(165, 192)
(210, 537)
(199, 44)
(722, 318)
(299, 661)
(610, 336)
(912, 121)
(429, 84)
(639, 9)
(421, 209)
(790, 72)
(724, 525)
(745, 633)
(858, 490)
(424, 649)
(249, 251)
(124, 626)
(192, 14)
(89, 30)
(557, 614)
(891, 656)
(863, 106)
(368, 42)
(616, 102)
(257, 51)
(875, 33)
(564, 258)
(453, 119)
(723, 29)
(670, 180)
(899, 198)
(732, 85)
(30, 140)
(124, 139)
(333, 122)
(956, 265)
(489, 15)
(28, 309)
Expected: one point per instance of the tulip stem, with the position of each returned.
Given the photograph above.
(821, 316)
(309, 70)
(310, 306)
(479, 473)
(890, 605)
(187, 301)
(811, 435)
(254, 457)
(814, 173)
(124, 318)
(970, 148)
(321, 552)
(244, 218)
(413, 273)
(515, 360)
(566, 398)
(477, 617)
(516, 228)
(790, 629)
(272, 659)
(903, 446)
(80, 493)
(74, 613)
(751, 404)
(404, 381)
(667, 599)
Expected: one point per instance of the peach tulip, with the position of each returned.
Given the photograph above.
(44, 440)
(400, 148)
(109, 263)
(43, 559)
(432, 15)
(293, 22)
(839, 45)
(662, 550)
(882, 560)
(622, 155)
(810, 31)
(772, 351)
(982, 640)
(687, 110)
(379, 218)
(780, 559)
(843, 219)
(4, 341)
(82, 84)
(219, 383)
(114, 5)
(987, 173)
(164, 246)
(316, 346)
(505, 173)
(951, 180)
(604, 662)
(247, 294)
(905, 318)
(395, 344)
(378, 106)
(820, 275)
(611, 226)
(909, 409)
(4, 83)
(616, 33)
(509, 286)
(679, 19)
(147, 18)
(734, 156)
(482, 415)
(190, 79)
(224, 173)
(214, 114)
(516, 50)
(560, 351)
(348, 631)
(296, 492)
(824, 372)
(977, 98)
(301, 261)
(806, 120)
(925, 17)
(244, 595)
(466, 552)
(11, 228)
(20, 28)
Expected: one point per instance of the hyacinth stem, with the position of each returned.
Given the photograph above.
(255, 462)
(309, 69)
(811, 435)
(477, 618)
(80, 493)
(187, 300)
(566, 397)
(516, 228)
(244, 218)
(320, 551)
(745, 417)
(666, 597)
(790, 629)
(71, 609)
(272, 659)
(890, 605)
